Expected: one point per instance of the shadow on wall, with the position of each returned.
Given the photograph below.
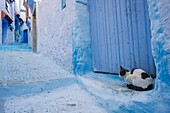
(81, 56)
(159, 13)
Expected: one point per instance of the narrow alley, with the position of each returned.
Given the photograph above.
(84, 56)
(31, 83)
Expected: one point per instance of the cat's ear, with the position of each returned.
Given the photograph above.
(121, 67)
(127, 70)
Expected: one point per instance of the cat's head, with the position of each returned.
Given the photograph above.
(123, 72)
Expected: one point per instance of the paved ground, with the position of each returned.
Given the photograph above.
(15, 47)
(23, 67)
(31, 83)
(71, 99)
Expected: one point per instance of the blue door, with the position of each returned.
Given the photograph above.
(25, 36)
(120, 34)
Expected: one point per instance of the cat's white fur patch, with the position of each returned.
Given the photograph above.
(136, 79)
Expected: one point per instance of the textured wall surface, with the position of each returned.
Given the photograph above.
(55, 27)
(2, 5)
(160, 27)
(4, 31)
(81, 39)
(64, 35)
(9, 37)
(0, 29)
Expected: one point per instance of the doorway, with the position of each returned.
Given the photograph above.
(120, 35)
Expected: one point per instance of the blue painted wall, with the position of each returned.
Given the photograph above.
(81, 56)
(17, 27)
(17, 21)
(4, 31)
(160, 22)
(30, 4)
(120, 33)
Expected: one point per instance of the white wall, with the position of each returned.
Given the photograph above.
(54, 31)
(64, 35)
(16, 6)
(2, 4)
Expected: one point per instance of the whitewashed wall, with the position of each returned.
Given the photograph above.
(2, 4)
(54, 31)
(16, 7)
(64, 35)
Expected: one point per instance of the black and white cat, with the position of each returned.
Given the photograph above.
(137, 79)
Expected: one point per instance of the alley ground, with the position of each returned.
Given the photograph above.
(31, 83)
